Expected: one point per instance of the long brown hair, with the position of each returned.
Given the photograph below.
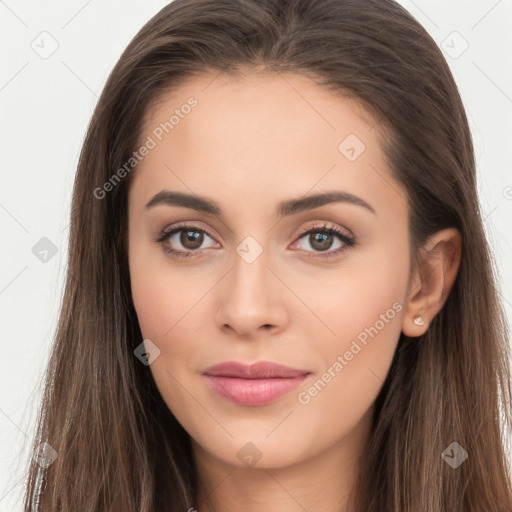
(119, 447)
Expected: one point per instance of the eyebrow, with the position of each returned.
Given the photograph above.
(284, 209)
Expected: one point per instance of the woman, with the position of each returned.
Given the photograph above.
(280, 294)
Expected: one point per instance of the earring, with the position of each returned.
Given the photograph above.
(418, 320)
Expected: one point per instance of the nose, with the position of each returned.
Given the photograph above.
(252, 299)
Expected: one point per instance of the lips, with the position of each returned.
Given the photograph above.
(260, 370)
(257, 384)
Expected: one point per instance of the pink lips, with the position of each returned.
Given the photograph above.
(255, 384)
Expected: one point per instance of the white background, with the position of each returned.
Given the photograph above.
(46, 106)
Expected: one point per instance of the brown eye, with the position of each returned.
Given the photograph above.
(325, 239)
(321, 241)
(184, 241)
(191, 239)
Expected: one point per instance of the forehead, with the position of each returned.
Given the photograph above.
(266, 95)
(253, 134)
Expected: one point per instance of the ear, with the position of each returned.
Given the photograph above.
(432, 280)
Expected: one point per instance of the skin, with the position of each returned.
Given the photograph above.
(251, 142)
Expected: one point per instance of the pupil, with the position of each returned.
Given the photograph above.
(318, 241)
(191, 239)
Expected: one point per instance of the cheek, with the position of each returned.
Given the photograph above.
(170, 305)
(355, 364)
(361, 314)
(366, 292)
(166, 305)
(154, 305)
(162, 296)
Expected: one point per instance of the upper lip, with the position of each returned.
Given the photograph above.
(259, 370)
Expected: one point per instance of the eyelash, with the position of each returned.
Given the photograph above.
(348, 241)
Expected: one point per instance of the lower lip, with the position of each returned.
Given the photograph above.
(253, 391)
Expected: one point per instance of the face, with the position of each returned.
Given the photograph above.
(230, 262)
